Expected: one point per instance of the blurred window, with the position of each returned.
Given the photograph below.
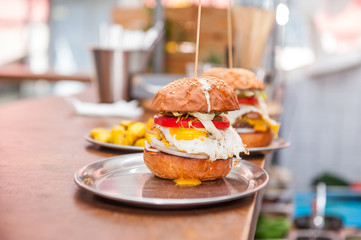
(15, 17)
(187, 3)
(340, 29)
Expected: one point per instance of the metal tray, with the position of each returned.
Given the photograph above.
(126, 179)
(277, 144)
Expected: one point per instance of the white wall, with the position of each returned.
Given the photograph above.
(322, 119)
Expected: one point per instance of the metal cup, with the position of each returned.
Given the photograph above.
(113, 71)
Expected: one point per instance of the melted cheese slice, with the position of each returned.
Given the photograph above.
(271, 123)
(258, 124)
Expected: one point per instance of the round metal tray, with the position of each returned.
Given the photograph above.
(126, 179)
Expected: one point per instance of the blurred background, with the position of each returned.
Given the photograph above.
(307, 52)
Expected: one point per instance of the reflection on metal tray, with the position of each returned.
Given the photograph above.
(277, 144)
(126, 179)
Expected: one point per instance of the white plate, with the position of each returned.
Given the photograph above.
(277, 144)
(126, 179)
(114, 146)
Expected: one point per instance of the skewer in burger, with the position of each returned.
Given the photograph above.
(191, 139)
(252, 121)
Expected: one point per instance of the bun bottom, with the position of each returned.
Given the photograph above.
(257, 139)
(168, 166)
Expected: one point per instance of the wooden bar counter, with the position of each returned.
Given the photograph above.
(42, 145)
(18, 72)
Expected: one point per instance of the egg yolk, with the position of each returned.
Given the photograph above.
(187, 182)
(187, 133)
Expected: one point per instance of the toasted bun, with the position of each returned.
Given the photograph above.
(188, 95)
(168, 166)
(257, 139)
(238, 78)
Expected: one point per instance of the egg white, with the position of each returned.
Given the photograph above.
(227, 144)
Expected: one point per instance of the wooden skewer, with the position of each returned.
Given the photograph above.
(197, 42)
(229, 30)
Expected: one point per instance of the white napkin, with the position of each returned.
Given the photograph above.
(117, 109)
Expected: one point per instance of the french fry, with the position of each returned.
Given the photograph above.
(126, 133)
(130, 138)
(100, 134)
(137, 130)
(126, 123)
(140, 142)
(117, 135)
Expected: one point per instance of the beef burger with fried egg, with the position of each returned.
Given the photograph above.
(191, 138)
(252, 120)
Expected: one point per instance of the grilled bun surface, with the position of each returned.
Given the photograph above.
(257, 139)
(188, 95)
(237, 78)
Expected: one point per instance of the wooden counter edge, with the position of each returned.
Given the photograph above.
(266, 163)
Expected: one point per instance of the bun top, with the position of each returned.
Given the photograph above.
(238, 78)
(196, 95)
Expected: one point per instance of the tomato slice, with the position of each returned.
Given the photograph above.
(188, 122)
(250, 101)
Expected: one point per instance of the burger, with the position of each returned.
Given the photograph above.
(190, 137)
(252, 121)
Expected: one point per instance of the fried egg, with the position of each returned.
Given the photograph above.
(210, 141)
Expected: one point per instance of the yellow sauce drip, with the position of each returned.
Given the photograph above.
(187, 182)
(274, 129)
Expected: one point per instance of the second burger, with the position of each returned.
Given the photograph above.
(252, 121)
